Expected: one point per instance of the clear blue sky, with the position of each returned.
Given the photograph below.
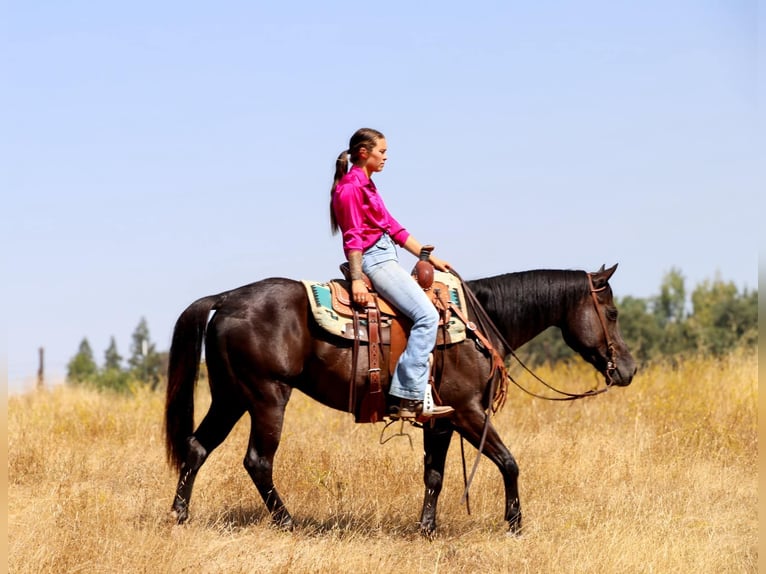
(156, 152)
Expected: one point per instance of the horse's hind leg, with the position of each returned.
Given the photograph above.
(436, 440)
(214, 428)
(267, 417)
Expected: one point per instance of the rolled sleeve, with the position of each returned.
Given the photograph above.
(398, 233)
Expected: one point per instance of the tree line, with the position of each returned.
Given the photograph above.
(713, 319)
(144, 365)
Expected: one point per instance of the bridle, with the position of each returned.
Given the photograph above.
(611, 365)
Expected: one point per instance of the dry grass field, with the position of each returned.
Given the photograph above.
(658, 477)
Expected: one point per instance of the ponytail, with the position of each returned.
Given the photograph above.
(341, 168)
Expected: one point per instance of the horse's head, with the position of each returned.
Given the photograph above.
(591, 329)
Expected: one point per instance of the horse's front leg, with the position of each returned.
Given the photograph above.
(471, 427)
(436, 441)
(512, 502)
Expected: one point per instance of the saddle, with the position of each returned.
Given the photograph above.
(384, 329)
(438, 292)
(373, 315)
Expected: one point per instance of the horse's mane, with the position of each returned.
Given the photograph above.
(529, 296)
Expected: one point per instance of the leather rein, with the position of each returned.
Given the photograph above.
(487, 323)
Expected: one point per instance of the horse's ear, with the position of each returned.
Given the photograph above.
(609, 272)
(603, 275)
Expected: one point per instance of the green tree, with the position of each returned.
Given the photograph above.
(669, 309)
(640, 329)
(748, 317)
(113, 379)
(82, 367)
(112, 376)
(670, 305)
(112, 358)
(722, 318)
(144, 359)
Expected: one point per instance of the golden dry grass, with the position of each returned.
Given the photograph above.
(657, 477)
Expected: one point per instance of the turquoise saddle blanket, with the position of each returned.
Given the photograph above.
(333, 316)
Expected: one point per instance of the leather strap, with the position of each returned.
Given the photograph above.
(354, 364)
(373, 333)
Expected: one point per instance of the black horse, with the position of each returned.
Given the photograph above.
(262, 342)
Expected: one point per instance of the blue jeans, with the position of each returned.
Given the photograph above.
(381, 264)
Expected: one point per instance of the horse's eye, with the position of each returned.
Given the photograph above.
(611, 313)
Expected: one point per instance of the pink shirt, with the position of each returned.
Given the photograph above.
(361, 214)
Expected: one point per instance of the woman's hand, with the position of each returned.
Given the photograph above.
(359, 291)
(413, 246)
(358, 287)
(439, 264)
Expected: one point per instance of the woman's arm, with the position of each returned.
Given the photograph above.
(358, 288)
(413, 246)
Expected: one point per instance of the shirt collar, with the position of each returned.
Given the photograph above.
(361, 178)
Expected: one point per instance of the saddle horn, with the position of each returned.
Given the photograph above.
(423, 272)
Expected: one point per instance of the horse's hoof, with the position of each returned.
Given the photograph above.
(285, 523)
(514, 527)
(428, 531)
(179, 515)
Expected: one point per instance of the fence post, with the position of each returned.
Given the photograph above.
(41, 370)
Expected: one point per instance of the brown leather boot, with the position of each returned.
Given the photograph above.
(410, 409)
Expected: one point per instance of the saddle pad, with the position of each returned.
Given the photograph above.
(320, 298)
(338, 321)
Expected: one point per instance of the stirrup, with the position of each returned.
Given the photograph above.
(430, 409)
(429, 406)
(428, 401)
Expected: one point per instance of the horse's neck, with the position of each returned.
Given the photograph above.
(522, 305)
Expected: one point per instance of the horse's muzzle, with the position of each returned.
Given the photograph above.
(623, 372)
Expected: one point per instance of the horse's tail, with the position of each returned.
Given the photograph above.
(183, 369)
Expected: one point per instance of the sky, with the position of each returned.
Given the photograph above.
(156, 152)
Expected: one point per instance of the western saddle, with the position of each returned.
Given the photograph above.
(373, 403)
